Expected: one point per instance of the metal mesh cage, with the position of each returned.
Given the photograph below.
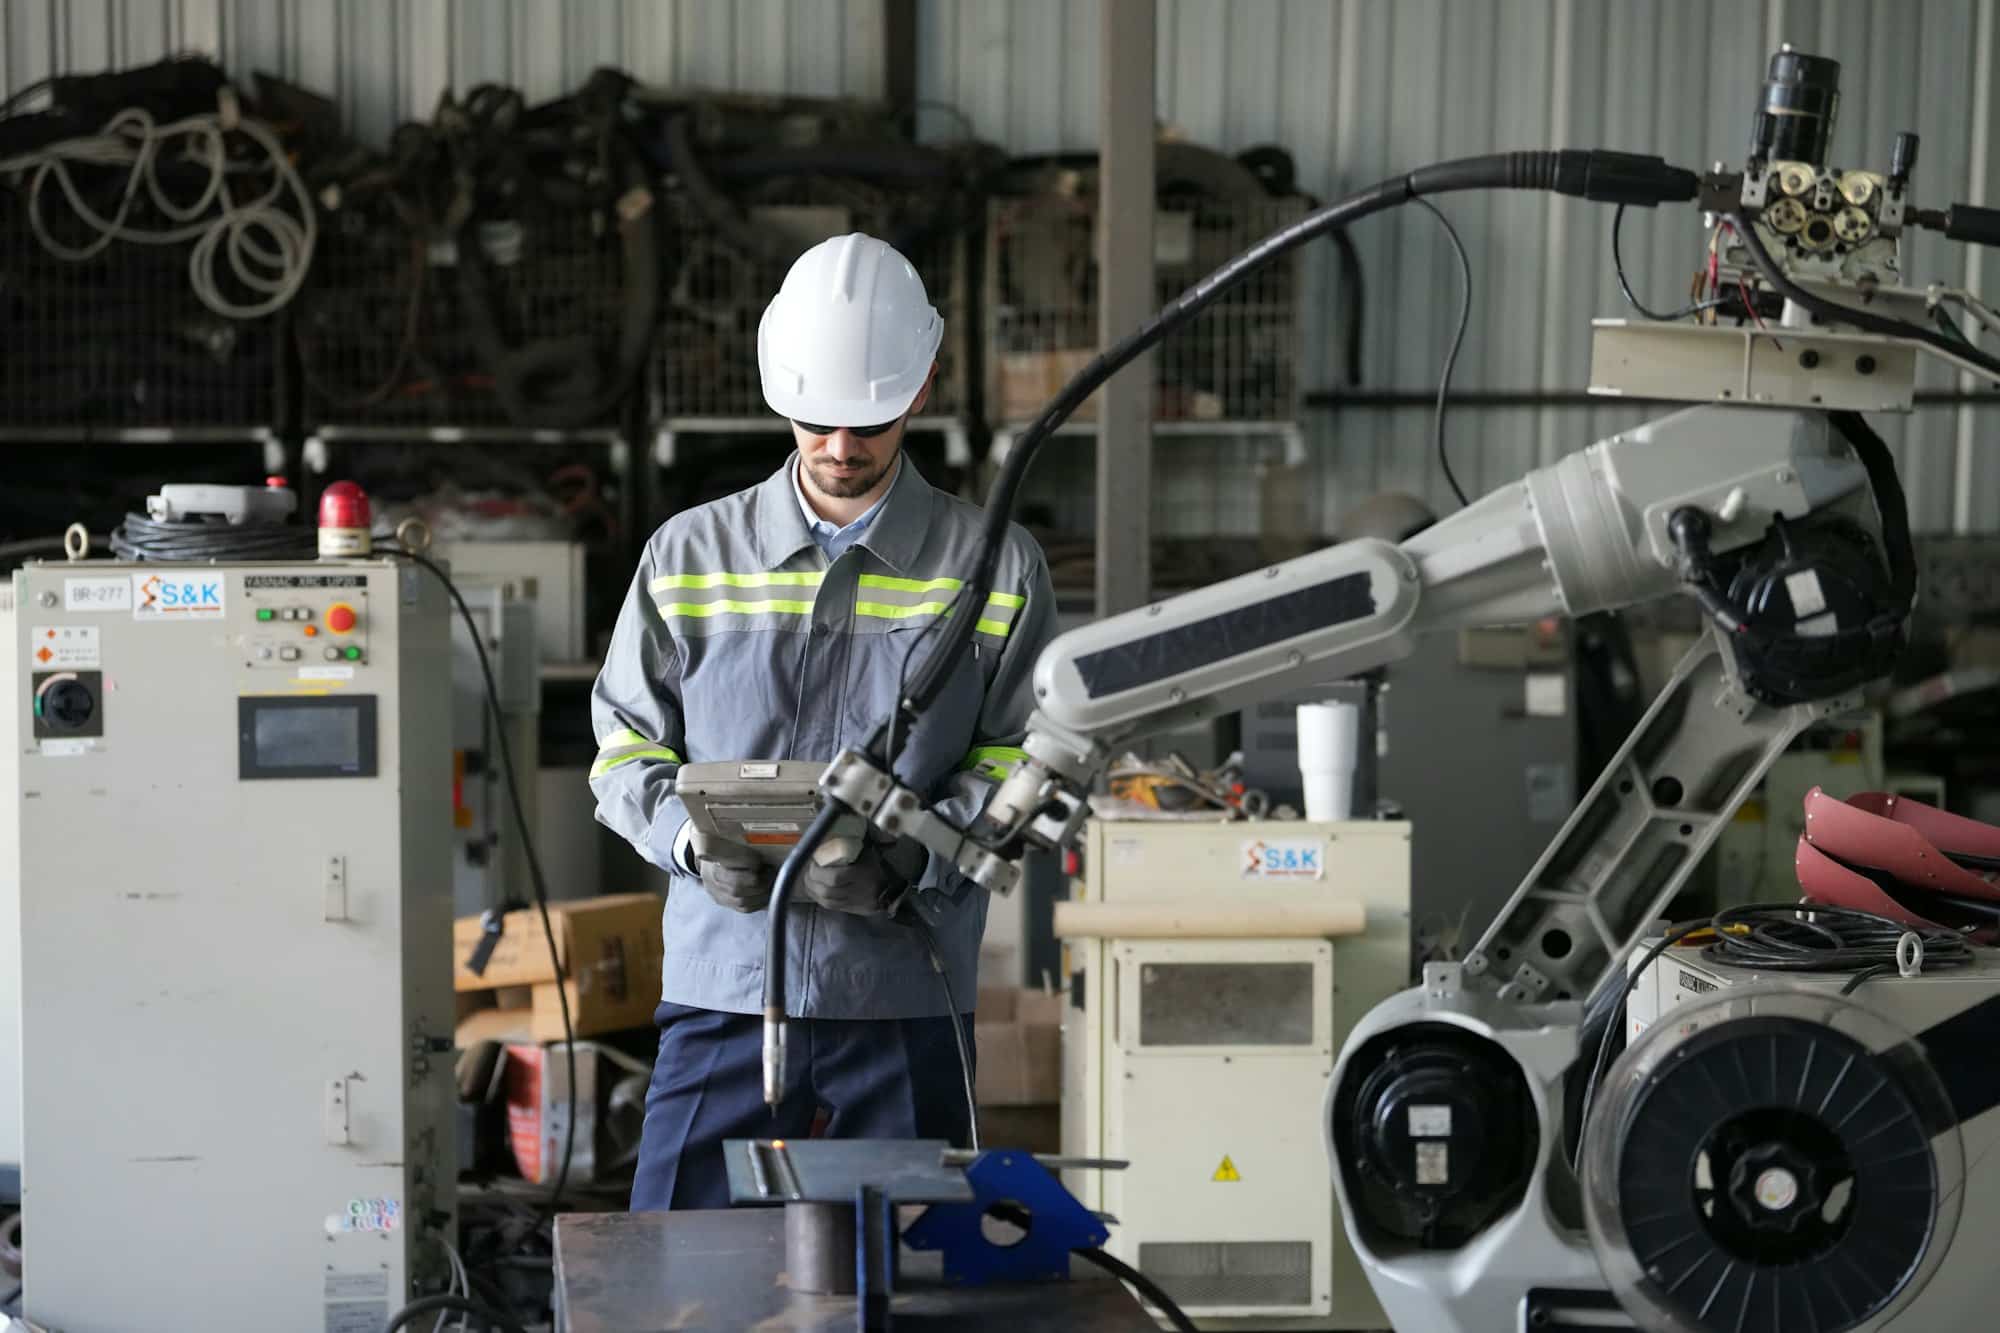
(706, 363)
(120, 341)
(1220, 1274)
(391, 332)
(1236, 363)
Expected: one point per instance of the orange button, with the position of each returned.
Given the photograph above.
(310, 630)
(340, 617)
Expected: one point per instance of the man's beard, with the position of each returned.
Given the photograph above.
(842, 485)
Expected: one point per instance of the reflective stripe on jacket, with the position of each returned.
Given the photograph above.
(738, 640)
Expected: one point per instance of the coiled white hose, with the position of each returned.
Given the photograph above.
(268, 249)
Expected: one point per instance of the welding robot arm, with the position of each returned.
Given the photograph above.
(1592, 532)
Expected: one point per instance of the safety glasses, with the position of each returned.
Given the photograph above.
(858, 432)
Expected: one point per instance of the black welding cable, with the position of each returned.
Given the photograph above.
(1599, 175)
(1457, 341)
(32, 546)
(535, 877)
(449, 1304)
(140, 537)
(1148, 1289)
(774, 942)
(1625, 284)
(922, 927)
(1835, 312)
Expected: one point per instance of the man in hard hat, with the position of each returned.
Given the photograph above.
(776, 623)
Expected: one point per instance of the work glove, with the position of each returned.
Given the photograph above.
(862, 876)
(734, 876)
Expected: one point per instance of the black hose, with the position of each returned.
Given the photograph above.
(558, 383)
(781, 903)
(417, 1309)
(1625, 283)
(1624, 178)
(535, 876)
(142, 538)
(759, 243)
(1846, 314)
(38, 545)
(1815, 937)
(916, 922)
(1148, 1288)
(1352, 295)
(1892, 509)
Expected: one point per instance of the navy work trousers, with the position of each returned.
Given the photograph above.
(875, 1079)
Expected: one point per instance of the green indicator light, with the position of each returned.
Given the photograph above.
(353, 654)
(265, 613)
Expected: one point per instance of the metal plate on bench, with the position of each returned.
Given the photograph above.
(831, 1170)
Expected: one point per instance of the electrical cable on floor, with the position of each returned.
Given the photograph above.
(269, 250)
(1457, 341)
(923, 929)
(1149, 1290)
(1014, 1215)
(528, 852)
(1625, 286)
(423, 1305)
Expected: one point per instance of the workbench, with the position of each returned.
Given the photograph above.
(722, 1269)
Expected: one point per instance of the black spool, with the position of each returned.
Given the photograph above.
(1795, 112)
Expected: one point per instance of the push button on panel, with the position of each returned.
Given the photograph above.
(340, 618)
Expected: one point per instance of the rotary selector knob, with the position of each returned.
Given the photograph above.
(68, 705)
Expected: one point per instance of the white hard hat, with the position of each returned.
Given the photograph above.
(850, 336)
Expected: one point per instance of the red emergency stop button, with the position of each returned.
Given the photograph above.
(340, 617)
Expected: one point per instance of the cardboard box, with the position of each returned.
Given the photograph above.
(1029, 379)
(1018, 1034)
(535, 1085)
(610, 951)
(1028, 1128)
(537, 1090)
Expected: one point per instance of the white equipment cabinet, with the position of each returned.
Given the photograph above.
(490, 866)
(235, 898)
(548, 574)
(10, 906)
(1204, 1061)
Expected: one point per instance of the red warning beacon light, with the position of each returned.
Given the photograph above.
(344, 519)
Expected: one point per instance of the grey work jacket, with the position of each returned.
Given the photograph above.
(739, 640)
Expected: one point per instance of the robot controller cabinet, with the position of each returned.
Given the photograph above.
(234, 900)
(1200, 1052)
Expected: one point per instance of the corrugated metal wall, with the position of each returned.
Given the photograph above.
(387, 60)
(1358, 89)
(1355, 89)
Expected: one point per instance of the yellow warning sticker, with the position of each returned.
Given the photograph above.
(1226, 1172)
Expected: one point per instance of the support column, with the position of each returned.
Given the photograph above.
(1125, 208)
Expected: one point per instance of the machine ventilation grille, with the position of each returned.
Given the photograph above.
(1226, 1004)
(1221, 1274)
